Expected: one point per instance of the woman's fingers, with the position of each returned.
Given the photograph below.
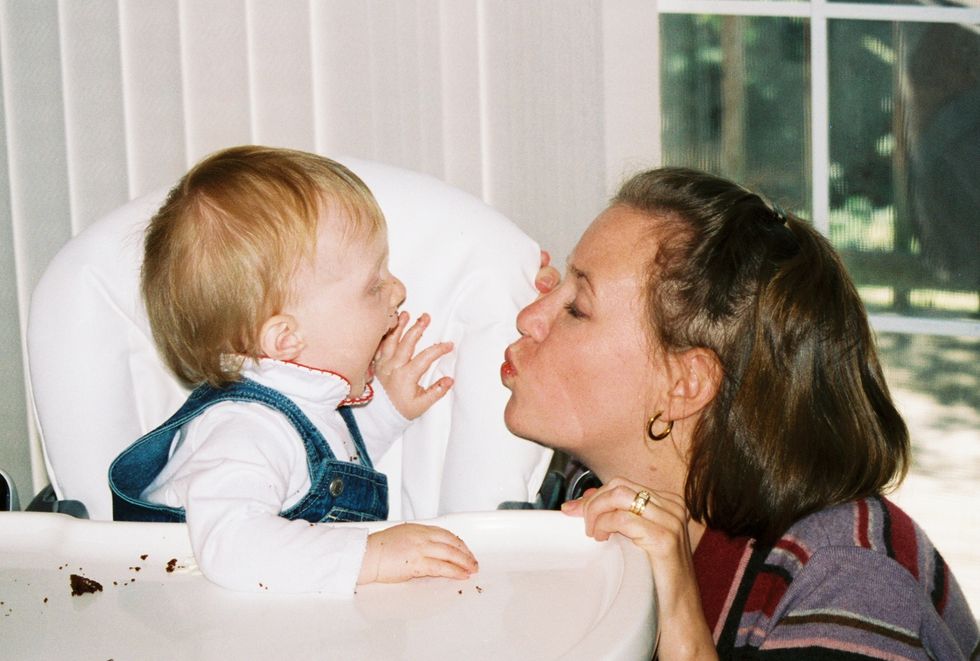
(654, 520)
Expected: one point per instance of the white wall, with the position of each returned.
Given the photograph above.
(539, 107)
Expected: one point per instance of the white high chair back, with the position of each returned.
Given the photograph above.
(98, 384)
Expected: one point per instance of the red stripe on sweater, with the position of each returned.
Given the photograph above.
(861, 525)
(787, 544)
(904, 545)
(716, 563)
(766, 593)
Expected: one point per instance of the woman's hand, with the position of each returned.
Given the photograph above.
(411, 550)
(548, 276)
(399, 372)
(658, 525)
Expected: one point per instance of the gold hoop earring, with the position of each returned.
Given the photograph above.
(662, 435)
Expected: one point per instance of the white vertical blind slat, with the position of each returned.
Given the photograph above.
(215, 63)
(544, 76)
(39, 207)
(422, 50)
(631, 70)
(392, 39)
(94, 126)
(404, 51)
(281, 73)
(152, 94)
(34, 106)
(462, 114)
(15, 446)
(342, 79)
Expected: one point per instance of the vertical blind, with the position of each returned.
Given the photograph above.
(538, 108)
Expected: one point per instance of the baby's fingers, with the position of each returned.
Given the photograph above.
(389, 344)
(429, 566)
(407, 341)
(459, 557)
(429, 396)
(418, 365)
(444, 554)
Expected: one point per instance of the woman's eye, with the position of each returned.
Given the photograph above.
(573, 311)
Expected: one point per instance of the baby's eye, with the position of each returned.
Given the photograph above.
(573, 311)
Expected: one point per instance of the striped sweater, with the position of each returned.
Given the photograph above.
(856, 581)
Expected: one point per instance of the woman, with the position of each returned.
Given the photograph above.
(709, 359)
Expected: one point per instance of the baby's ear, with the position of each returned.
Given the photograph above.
(280, 339)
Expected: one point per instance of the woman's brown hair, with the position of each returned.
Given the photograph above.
(220, 254)
(803, 418)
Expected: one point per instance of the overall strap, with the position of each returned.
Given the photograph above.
(355, 433)
(317, 448)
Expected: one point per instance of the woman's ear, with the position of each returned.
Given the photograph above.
(699, 375)
(279, 337)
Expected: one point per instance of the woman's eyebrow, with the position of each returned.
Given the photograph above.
(579, 274)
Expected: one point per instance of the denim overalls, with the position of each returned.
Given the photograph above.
(339, 490)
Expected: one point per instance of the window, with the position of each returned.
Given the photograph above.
(863, 117)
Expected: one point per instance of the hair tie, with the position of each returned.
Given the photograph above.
(779, 213)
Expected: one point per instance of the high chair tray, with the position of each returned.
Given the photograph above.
(544, 591)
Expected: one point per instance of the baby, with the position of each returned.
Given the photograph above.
(266, 283)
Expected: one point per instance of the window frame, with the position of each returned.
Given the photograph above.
(820, 13)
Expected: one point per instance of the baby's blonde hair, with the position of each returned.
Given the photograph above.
(221, 253)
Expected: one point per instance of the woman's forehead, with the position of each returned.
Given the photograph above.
(617, 244)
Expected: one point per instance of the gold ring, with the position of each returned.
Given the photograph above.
(640, 503)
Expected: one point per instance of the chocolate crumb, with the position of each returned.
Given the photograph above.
(479, 589)
(80, 585)
(459, 592)
(144, 556)
(171, 565)
(45, 600)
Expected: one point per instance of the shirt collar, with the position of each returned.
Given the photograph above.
(305, 385)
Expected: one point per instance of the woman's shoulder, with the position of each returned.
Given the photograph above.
(870, 532)
(867, 570)
(874, 523)
(860, 578)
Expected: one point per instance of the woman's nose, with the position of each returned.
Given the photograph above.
(534, 321)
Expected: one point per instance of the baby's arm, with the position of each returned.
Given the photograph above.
(411, 550)
(399, 372)
(242, 467)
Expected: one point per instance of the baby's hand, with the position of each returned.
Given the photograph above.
(411, 550)
(399, 372)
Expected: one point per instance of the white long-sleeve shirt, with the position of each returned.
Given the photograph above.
(236, 466)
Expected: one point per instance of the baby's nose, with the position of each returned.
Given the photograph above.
(397, 292)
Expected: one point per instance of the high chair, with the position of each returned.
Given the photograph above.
(97, 383)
